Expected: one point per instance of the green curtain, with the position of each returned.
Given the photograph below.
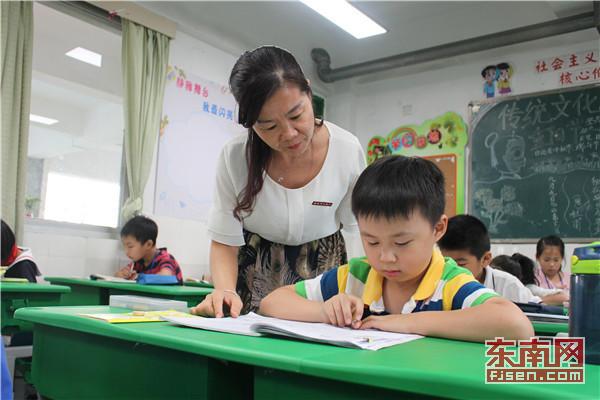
(17, 49)
(145, 56)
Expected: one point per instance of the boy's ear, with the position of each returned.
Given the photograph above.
(486, 259)
(439, 229)
(149, 243)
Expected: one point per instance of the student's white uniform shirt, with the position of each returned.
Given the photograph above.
(508, 286)
(540, 291)
(288, 216)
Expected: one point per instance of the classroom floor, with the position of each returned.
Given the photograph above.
(22, 390)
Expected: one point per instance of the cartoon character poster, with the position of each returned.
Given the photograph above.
(497, 78)
(441, 140)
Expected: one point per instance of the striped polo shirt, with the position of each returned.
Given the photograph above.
(162, 259)
(445, 286)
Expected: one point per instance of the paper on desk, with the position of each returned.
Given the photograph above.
(136, 316)
(256, 325)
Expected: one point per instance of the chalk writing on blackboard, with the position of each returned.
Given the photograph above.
(544, 148)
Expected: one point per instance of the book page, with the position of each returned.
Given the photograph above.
(239, 326)
(325, 333)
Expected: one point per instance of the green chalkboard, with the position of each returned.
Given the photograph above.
(535, 164)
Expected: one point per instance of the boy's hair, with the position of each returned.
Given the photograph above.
(466, 232)
(527, 269)
(8, 241)
(141, 228)
(397, 186)
(547, 241)
(507, 264)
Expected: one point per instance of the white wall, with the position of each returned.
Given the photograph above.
(377, 104)
(66, 252)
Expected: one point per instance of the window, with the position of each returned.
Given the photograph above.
(76, 122)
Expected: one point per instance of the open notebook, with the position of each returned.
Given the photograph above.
(255, 325)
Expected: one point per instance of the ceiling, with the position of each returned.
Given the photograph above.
(411, 25)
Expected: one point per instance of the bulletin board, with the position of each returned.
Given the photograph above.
(441, 140)
(198, 119)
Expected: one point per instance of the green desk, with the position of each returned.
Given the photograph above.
(550, 328)
(199, 284)
(90, 292)
(196, 364)
(18, 295)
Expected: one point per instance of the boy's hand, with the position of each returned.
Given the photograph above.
(213, 304)
(343, 310)
(391, 323)
(124, 273)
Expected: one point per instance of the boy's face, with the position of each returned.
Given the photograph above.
(465, 259)
(400, 249)
(134, 249)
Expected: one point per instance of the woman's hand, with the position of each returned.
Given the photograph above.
(212, 305)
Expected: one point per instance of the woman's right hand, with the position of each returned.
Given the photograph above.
(212, 305)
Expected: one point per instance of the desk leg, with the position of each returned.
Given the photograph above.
(273, 384)
(74, 365)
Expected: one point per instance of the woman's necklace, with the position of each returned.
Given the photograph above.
(286, 171)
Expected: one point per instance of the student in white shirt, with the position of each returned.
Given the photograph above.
(505, 277)
(283, 189)
(556, 297)
(467, 241)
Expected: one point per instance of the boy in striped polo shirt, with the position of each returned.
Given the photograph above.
(399, 205)
(139, 240)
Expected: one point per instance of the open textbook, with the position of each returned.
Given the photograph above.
(108, 278)
(255, 325)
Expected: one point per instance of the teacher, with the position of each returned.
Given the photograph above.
(282, 191)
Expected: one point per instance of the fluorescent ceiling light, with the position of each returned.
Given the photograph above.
(85, 55)
(344, 15)
(42, 120)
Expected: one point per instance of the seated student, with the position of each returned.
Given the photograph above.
(468, 243)
(139, 239)
(399, 205)
(507, 264)
(19, 260)
(549, 253)
(554, 297)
